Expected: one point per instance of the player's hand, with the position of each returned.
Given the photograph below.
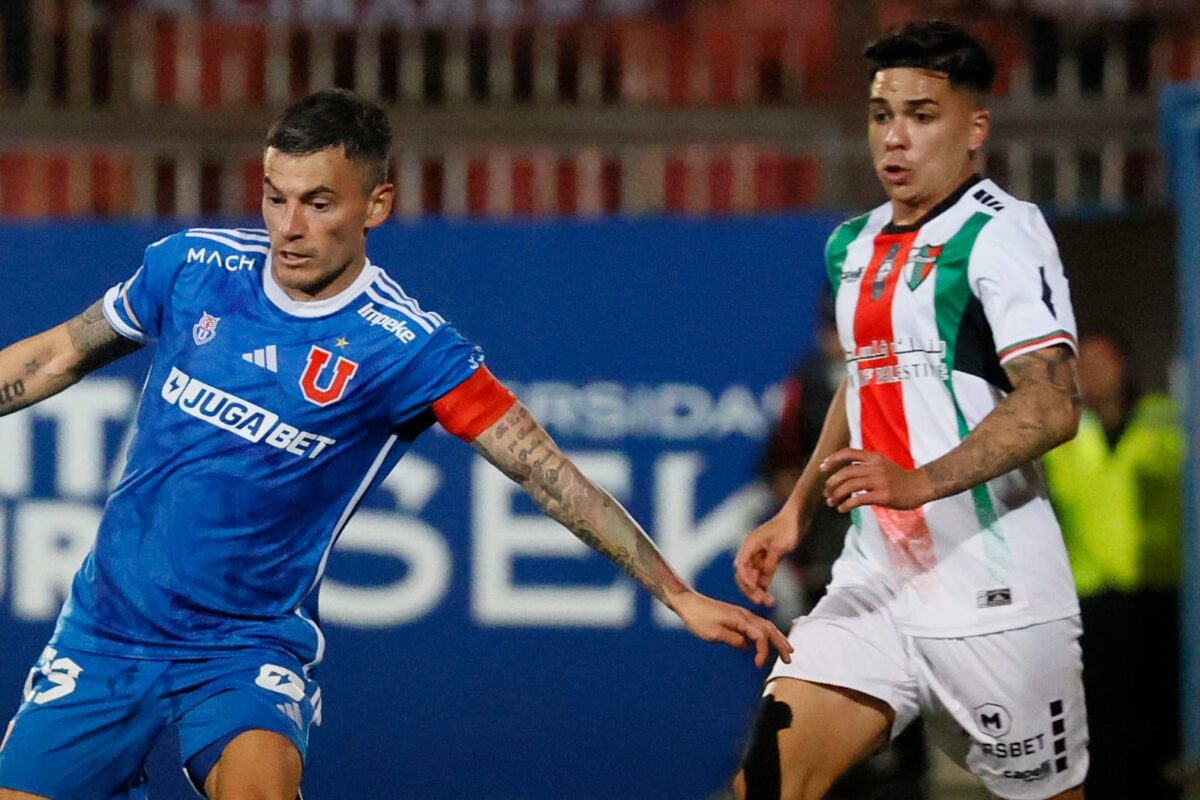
(759, 555)
(862, 477)
(714, 621)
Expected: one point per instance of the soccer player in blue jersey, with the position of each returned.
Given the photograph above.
(290, 375)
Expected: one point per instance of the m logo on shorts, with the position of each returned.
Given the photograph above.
(275, 678)
(994, 720)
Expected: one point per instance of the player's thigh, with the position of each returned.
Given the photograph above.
(8, 794)
(848, 686)
(1018, 697)
(84, 729)
(259, 704)
(807, 735)
(258, 764)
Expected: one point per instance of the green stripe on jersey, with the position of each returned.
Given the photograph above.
(952, 292)
(838, 245)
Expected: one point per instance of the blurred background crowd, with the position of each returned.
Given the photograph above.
(536, 110)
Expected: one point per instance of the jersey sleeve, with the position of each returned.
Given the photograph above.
(446, 360)
(134, 307)
(1016, 273)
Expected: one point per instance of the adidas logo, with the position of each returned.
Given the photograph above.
(263, 357)
(292, 712)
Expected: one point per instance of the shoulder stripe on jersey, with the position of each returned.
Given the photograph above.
(113, 315)
(397, 294)
(1036, 343)
(236, 233)
(403, 297)
(124, 288)
(244, 247)
(349, 509)
(387, 302)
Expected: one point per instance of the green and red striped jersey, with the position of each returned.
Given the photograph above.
(927, 315)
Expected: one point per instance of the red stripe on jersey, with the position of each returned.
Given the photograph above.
(470, 408)
(884, 424)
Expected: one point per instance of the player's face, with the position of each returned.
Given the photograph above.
(923, 134)
(318, 209)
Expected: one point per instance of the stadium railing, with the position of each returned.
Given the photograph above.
(145, 114)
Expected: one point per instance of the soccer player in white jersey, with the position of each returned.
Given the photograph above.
(286, 358)
(952, 598)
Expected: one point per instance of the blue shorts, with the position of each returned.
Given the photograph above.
(88, 721)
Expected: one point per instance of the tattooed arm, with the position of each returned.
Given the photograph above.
(43, 365)
(520, 448)
(1041, 413)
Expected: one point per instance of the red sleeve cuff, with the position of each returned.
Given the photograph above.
(470, 408)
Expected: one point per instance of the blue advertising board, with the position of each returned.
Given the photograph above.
(475, 649)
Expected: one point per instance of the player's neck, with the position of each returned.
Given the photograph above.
(336, 285)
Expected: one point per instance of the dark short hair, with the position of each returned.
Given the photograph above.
(335, 118)
(938, 47)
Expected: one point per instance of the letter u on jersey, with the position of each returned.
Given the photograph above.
(343, 371)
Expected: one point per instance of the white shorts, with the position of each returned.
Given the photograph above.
(1008, 706)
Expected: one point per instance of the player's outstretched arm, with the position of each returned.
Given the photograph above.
(520, 448)
(43, 365)
(759, 555)
(1040, 413)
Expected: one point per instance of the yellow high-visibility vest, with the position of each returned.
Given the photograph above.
(1121, 508)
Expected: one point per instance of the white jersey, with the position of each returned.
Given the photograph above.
(927, 315)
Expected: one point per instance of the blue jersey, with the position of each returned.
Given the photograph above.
(262, 424)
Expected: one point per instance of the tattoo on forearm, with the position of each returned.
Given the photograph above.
(98, 344)
(11, 392)
(1037, 416)
(31, 368)
(559, 489)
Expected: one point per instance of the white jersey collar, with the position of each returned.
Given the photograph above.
(316, 308)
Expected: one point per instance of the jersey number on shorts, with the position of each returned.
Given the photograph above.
(62, 672)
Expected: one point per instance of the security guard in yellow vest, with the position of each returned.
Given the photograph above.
(1117, 488)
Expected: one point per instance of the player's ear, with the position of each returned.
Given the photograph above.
(379, 205)
(981, 124)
